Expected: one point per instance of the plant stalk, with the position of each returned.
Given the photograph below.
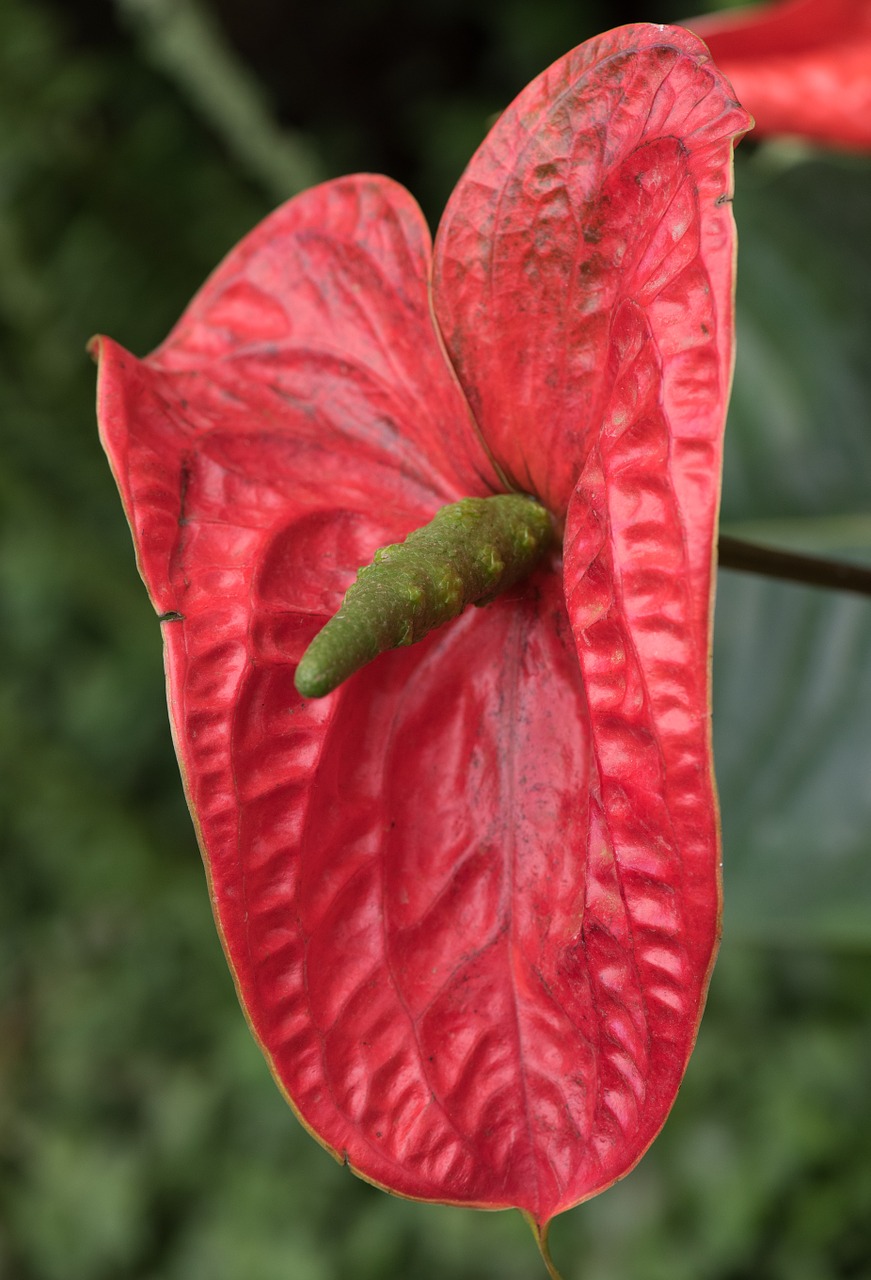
(814, 571)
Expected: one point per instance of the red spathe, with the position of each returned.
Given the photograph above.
(471, 899)
(800, 67)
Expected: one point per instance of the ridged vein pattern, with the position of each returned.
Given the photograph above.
(801, 67)
(471, 898)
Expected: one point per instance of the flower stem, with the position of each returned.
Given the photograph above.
(540, 1233)
(815, 571)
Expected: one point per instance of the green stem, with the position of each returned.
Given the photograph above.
(470, 552)
(815, 571)
(467, 554)
(540, 1233)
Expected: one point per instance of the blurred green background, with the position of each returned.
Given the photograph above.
(140, 1133)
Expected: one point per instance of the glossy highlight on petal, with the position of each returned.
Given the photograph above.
(471, 897)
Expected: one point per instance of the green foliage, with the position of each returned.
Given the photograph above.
(793, 665)
(140, 1134)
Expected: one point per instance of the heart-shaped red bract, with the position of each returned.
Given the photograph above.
(471, 899)
(800, 67)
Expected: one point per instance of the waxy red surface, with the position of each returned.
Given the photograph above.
(801, 67)
(471, 899)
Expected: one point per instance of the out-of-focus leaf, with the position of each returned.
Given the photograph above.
(798, 441)
(184, 40)
(792, 719)
(792, 682)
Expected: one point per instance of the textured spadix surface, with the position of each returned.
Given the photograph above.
(470, 899)
(800, 67)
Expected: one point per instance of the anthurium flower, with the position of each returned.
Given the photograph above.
(800, 67)
(471, 898)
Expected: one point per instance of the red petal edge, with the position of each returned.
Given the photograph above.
(471, 899)
(802, 67)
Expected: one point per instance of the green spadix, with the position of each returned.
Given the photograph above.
(468, 553)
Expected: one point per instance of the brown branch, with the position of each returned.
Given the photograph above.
(815, 571)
